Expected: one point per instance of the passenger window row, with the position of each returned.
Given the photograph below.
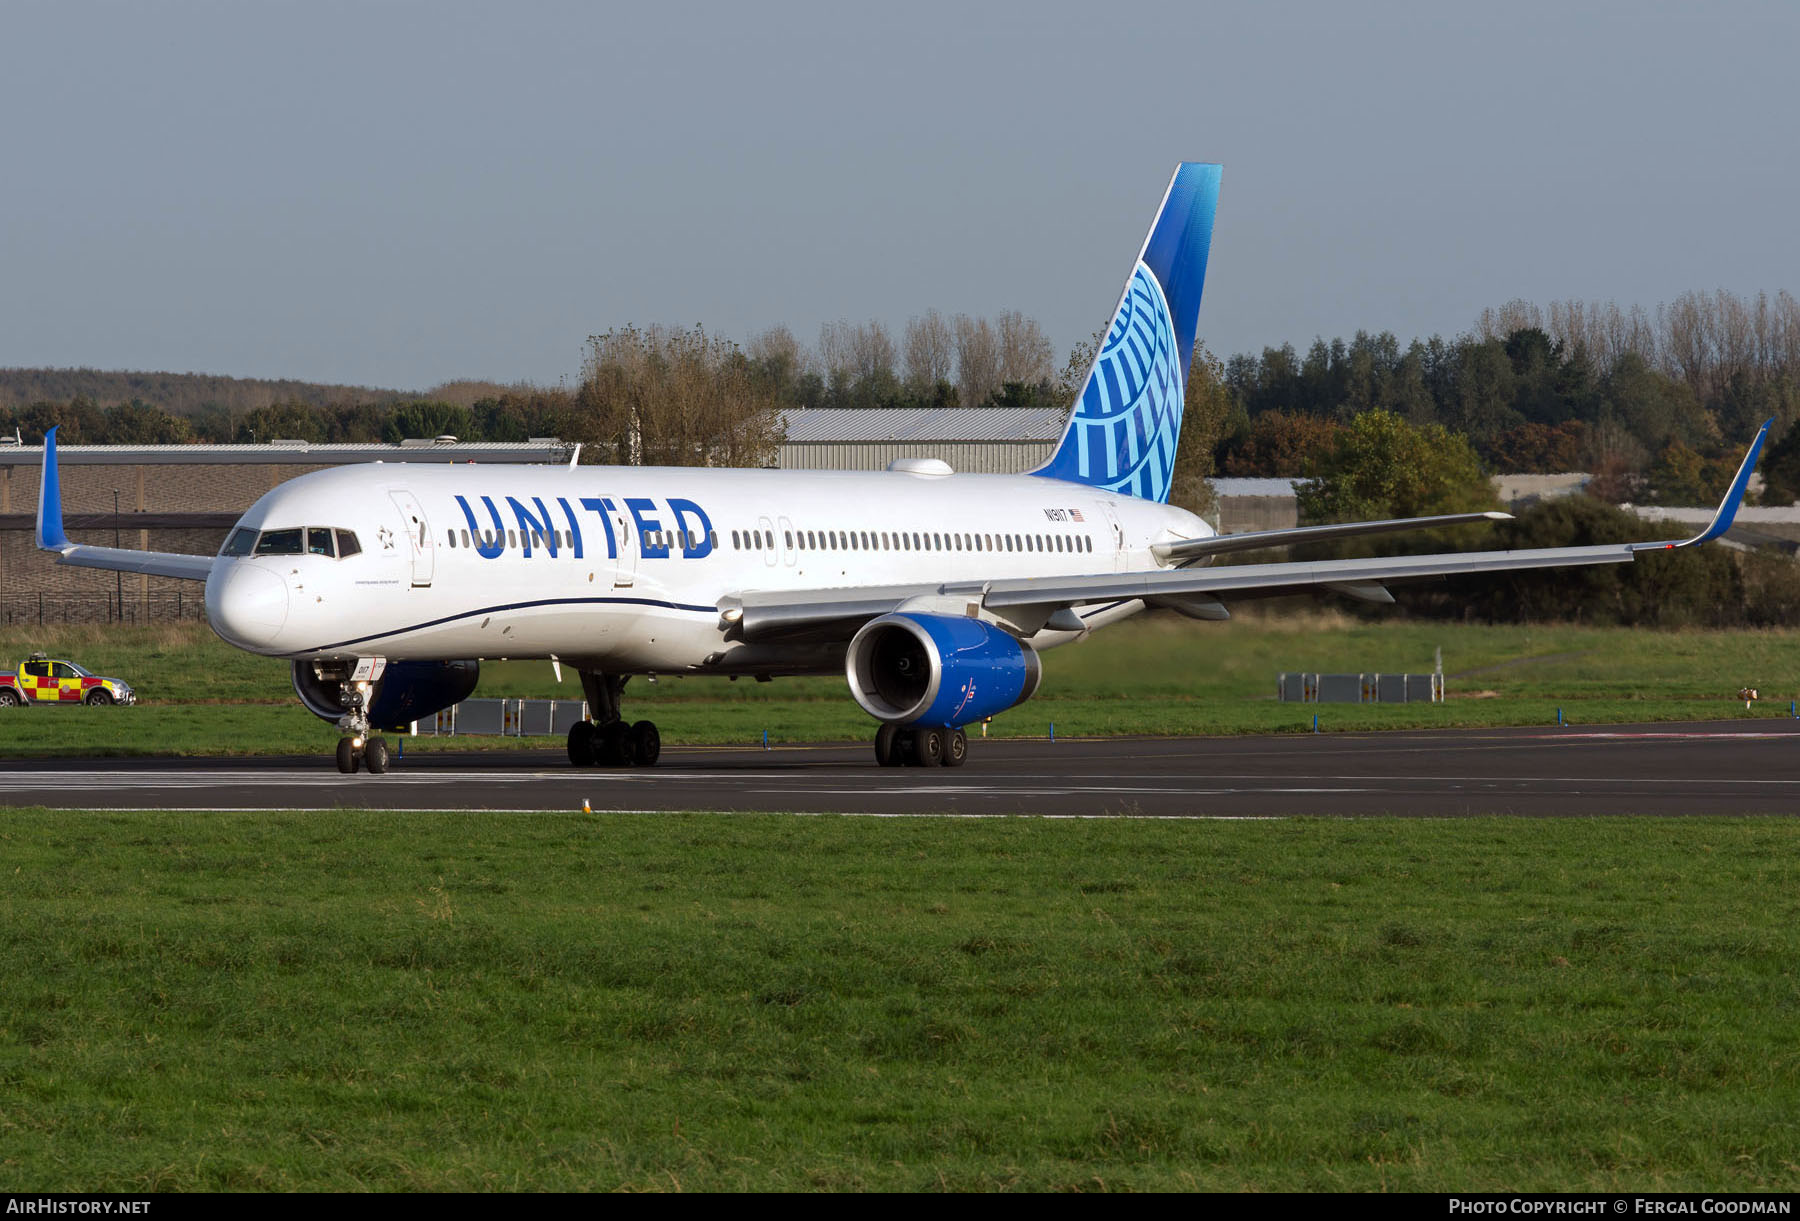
(901, 540)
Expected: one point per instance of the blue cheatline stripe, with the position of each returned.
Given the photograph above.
(511, 606)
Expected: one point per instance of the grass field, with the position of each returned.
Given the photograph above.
(350, 1001)
(1157, 676)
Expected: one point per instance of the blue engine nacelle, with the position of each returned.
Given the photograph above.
(946, 670)
(407, 691)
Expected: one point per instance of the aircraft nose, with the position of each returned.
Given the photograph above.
(247, 604)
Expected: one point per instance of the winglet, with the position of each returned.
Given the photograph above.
(50, 536)
(1728, 507)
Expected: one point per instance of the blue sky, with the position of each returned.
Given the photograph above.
(399, 194)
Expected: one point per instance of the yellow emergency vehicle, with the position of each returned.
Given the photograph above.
(49, 680)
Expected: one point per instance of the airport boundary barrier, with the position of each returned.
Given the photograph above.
(504, 718)
(1305, 688)
(44, 609)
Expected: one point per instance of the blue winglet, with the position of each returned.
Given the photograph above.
(1728, 507)
(50, 534)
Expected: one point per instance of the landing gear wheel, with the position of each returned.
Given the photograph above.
(646, 743)
(956, 748)
(375, 756)
(887, 747)
(583, 744)
(928, 747)
(346, 756)
(609, 745)
(98, 698)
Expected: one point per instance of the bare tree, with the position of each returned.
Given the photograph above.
(1686, 324)
(871, 351)
(1025, 352)
(1515, 315)
(851, 353)
(665, 397)
(777, 349)
(930, 352)
(836, 341)
(977, 360)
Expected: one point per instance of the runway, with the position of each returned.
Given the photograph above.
(1715, 768)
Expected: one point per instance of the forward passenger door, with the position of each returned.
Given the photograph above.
(418, 535)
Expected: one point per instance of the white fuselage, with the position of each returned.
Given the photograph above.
(623, 569)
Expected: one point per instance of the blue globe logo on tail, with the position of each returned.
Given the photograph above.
(1126, 424)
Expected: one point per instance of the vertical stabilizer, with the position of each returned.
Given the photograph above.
(1127, 420)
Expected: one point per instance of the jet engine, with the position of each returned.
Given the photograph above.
(407, 691)
(942, 670)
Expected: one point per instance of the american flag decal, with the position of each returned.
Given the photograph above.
(1076, 514)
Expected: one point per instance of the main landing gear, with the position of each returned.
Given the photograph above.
(606, 740)
(925, 747)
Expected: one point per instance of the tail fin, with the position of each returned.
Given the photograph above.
(1123, 431)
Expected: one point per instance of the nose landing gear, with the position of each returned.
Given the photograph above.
(607, 741)
(354, 752)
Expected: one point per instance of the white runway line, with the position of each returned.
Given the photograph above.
(733, 813)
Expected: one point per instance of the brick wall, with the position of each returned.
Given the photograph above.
(211, 488)
(32, 582)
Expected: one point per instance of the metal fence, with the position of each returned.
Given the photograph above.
(1305, 688)
(42, 609)
(505, 718)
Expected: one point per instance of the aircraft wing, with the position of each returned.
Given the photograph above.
(1030, 603)
(1190, 549)
(50, 537)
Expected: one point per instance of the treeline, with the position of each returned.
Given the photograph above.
(509, 416)
(1686, 587)
(653, 397)
(1654, 405)
(1379, 465)
(182, 394)
(936, 361)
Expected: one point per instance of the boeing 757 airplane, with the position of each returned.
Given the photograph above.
(933, 593)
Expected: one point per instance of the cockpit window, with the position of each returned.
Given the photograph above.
(347, 544)
(318, 542)
(241, 542)
(280, 542)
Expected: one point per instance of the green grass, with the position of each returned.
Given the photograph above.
(362, 1001)
(1155, 676)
